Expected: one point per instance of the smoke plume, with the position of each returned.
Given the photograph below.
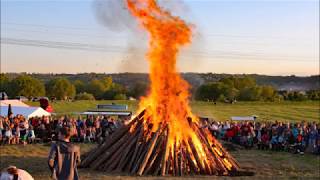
(113, 14)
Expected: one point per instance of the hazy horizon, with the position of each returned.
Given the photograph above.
(51, 73)
(231, 37)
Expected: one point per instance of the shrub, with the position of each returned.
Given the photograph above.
(84, 96)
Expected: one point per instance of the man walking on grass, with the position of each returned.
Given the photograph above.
(64, 157)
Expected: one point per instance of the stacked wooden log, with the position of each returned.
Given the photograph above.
(136, 149)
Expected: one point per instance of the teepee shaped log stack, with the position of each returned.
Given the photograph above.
(135, 149)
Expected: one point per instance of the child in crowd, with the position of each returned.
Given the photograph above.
(265, 141)
(300, 143)
(1, 139)
(8, 135)
(31, 136)
(16, 135)
(281, 141)
(1, 127)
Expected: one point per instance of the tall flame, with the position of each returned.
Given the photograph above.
(167, 103)
(168, 98)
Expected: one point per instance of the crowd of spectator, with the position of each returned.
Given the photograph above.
(277, 136)
(19, 130)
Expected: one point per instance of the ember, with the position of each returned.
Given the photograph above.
(165, 137)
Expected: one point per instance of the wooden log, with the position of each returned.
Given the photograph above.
(206, 147)
(233, 161)
(144, 150)
(135, 160)
(156, 168)
(109, 152)
(96, 153)
(181, 161)
(218, 158)
(149, 151)
(129, 166)
(196, 156)
(109, 142)
(129, 149)
(158, 164)
(176, 159)
(152, 160)
(156, 153)
(192, 165)
(165, 154)
(172, 166)
(116, 156)
(168, 168)
(121, 152)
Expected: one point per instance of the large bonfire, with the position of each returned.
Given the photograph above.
(164, 138)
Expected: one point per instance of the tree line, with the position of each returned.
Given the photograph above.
(63, 89)
(231, 89)
(228, 89)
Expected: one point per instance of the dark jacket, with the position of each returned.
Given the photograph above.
(63, 160)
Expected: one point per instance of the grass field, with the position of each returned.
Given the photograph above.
(283, 111)
(265, 164)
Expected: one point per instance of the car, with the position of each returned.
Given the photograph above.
(22, 98)
(35, 99)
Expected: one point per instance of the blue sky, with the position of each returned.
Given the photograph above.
(264, 37)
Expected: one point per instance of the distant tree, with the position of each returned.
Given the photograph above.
(115, 90)
(278, 98)
(120, 97)
(267, 92)
(313, 94)
(284, 94)
(60, 88)
(97, 88)
(209, 92)
(297, 96)
(250, 94)
(231, 93)
(84, 96)
(80, 86)
(229, 81)
(27, 86)
(4, 83)
(107, 82)
(244, 82)
(139, 89)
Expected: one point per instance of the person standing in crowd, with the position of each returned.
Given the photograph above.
(8, 135)
(1, 126)
(64, 157)
(313, 133)
(31, 136)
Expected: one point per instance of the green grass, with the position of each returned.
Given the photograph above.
(265, 164)
(267, 111)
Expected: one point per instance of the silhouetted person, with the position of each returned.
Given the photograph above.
(64, 157)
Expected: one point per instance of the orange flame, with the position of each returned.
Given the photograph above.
(168, 100)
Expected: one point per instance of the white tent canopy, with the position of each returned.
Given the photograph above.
(27, 112)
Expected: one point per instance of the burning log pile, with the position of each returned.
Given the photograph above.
(165, 138)
(136, 149)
